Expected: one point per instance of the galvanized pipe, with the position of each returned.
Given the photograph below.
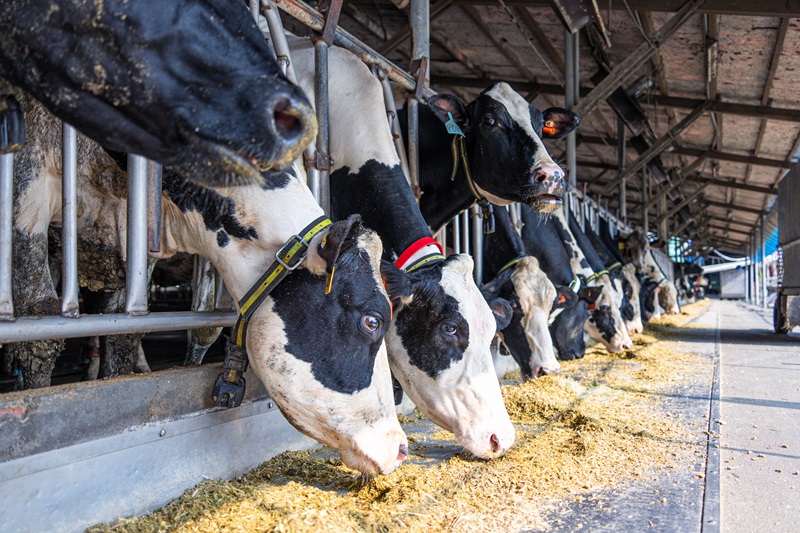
(154, 178)
(313, 19)
(321, 185)
(136, 274)
(645, 201)
(394, 124)
(69, 221)
(623, 186)
(6, 230)
(457, 234)
(477, 243)
(465, 231)
(572, 89)
(26, 329)
(763, 263)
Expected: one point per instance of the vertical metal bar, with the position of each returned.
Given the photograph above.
(457, 234)
(465, 229)
(394, 124)
(69, 221)
(321, 188)
(763, 263)
(477, 242)
(136, 249)
(419, 16)
(623, 186)
(154, 175)
(513, 211)
(6, 230)
(572, 89)
(645, 201)
(441, 237)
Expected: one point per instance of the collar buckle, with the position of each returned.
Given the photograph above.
(289, 260)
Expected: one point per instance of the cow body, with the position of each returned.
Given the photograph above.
(637, 246)
(136, 77)
(326, 370)
(507, 159)
(531, 294)
(439, 340)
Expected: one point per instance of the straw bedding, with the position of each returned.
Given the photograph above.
(597, 425)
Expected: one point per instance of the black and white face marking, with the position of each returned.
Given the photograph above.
(517, 166)
(635, 324)
(567, 332)
(440, 353)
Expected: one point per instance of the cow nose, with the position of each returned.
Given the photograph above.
(539, 175)
(402, 452)
(288, 119)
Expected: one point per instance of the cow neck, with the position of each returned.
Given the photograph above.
(381, 195)
(442, 197)
(570, 245)
(605, 236)
(589, 252)
(600, 247)
(503, 247)
(230, 384)
(543, 242)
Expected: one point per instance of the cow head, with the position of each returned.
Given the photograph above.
(532, 297)
(439, 347)
(648, 299)
(605, 322)
(504, 135)
(567, 327)
(668, 298)
(319, 352)
(634, 324)
(138, 79)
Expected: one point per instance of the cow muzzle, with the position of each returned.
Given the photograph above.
(548, 182)
(293, 124)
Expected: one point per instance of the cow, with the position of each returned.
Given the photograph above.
(517, 278)
(439, 340)
(192, 84)
(506, 159)
(691, 282)
(637, 246)
(316, 342)
(544, 242)
(624, 273)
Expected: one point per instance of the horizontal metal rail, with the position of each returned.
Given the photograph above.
(314, 20)
(26, 329)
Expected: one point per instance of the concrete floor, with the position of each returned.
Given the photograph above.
(760, 420)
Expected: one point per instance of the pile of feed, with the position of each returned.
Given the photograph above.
(596, 426)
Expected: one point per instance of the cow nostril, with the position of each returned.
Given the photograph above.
(494, 444)
(539, 175)
(402, 452)
(542, 372)
(288, 126)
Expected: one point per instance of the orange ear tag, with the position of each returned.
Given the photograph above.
(549, 127)
(329, 280)
(591, 307)
(562, 298)
(391, 305)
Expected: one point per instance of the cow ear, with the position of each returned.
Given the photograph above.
(442, 104)
(339, 237)
(397, 283)
(502, 312)
(590, 294)
(559, 122)
(565, 297)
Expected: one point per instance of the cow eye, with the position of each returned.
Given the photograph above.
(450, 328)
(370, 324)
(489, 120)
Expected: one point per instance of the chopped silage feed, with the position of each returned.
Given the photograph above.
(597, 425)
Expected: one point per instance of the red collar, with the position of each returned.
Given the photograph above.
(414, 248)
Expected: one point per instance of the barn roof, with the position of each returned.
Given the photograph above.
(718, 117)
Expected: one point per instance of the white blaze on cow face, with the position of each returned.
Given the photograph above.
(667, 291)
(635, 325)
(536, 295)
(361, 422)
(463, 397)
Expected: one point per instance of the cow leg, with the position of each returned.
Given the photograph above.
(34, 295)
(141, 365)
(203, 296)
(94, 359)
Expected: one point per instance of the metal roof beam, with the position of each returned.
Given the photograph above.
(757, 111)
(730, 230)
(734, 158)
(741, 208)
(631, 64)
(732, 184)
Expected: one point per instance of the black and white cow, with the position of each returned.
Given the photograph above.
(638, 250)
(439, 341)
(600, 259)
(691, 281)
(321, 356)
(517, 278)
(605, 322)
(190, 84)
(507, 159)
(543, 241)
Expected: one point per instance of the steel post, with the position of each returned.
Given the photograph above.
(69, 221)
(394, 124)
(457, 234)
(645, 201)
(419, 16)
(763, 263)
(320, 187)
(477, 243)
(623, 186)
(154, 175)
(572, 89)
(136, 274)
(465, 231)
(6, 230)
